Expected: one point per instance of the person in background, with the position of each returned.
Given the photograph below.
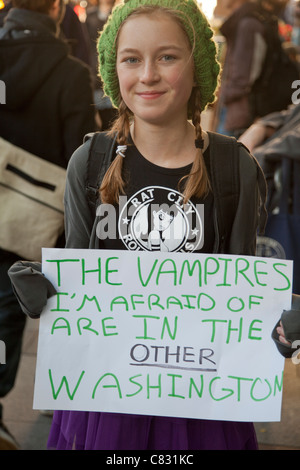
(75, 33)
(95, 20)
(48, 110)
(247, 43)
(278, 131)
(270, 139)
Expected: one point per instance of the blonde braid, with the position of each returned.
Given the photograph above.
(113, 184)
(197, 182)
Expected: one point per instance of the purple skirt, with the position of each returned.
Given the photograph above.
(111, 431)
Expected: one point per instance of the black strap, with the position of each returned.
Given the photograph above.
(101, 154)
(224, 169)
(225, 178)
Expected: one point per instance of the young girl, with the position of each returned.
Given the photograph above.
(158, 65)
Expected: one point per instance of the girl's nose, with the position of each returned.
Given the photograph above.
(150, 73)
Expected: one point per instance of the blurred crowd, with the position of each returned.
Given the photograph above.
(259, 104)
(79, 28)
(243, 51)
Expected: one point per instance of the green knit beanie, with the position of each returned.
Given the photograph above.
(197, 28)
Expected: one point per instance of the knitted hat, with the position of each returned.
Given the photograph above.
(197, 28)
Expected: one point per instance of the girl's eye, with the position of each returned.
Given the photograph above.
(168, 58)
(131, 60)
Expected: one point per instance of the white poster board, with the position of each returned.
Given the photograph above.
(176, 334)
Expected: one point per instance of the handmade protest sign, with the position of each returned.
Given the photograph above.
(181, 334)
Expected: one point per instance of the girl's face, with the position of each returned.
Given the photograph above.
(155, 68)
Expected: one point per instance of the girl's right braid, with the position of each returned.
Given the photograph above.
(113, 184)
(197, 181)
(122, 124)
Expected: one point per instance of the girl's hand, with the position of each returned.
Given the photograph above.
(31, 288)
(282, 337)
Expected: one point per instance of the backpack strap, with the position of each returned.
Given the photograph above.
(100, 157)
(224, 174)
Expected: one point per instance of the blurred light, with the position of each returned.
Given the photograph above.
(2, 4)
(80, 12)
(208, 6)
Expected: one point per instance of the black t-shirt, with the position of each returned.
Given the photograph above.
(152, 216)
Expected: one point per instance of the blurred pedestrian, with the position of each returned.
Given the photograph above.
(278, 133)
(76, 35)
(253, 45)
(95, 20)
(49, 108)
(275, 142)
(272, 138)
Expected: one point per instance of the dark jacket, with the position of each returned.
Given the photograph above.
(49, 102)
(285, 142)
(94, 24)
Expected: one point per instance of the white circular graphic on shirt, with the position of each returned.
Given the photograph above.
(155, 219)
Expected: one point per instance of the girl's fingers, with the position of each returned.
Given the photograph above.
(282, 337)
